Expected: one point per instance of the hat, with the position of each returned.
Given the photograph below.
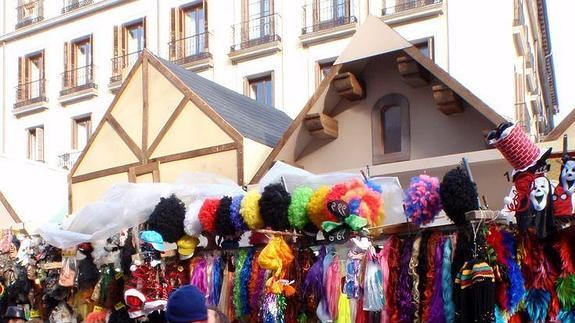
(186, 246)
(186, 304)
(517, 148)
(153, 238)
(15, 312)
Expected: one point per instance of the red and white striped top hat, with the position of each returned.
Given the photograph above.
(518, 149)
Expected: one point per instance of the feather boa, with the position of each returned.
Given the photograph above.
(436, 311)
(447, 283)
(516, 281)
(537, 304)
(312, 289)
(566, 316)
(405, 296)
(256, 286)
(566, 291)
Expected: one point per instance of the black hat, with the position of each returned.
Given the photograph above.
(15, 312)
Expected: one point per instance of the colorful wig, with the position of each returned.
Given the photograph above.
(422, 200)
(316, 207)
(250, 210)
(297, 211)
(207, 214)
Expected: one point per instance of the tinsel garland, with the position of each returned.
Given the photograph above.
(256, 286)
(237, 300)
(217, 278)
(245, 275)
(273, 309)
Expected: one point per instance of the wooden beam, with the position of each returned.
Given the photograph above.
(135, 171)
(321, 126)
(146, 110)
(447, 101)
(167, 125)
(9, 208)
(348, 86)
(102, 173)
(126, 138)
(412, 72)
(196, 153)
(240, 162)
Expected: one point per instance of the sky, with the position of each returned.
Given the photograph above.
(561, 24)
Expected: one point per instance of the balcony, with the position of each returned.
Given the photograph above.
(401, 11)
(69, 5)
(67, 160)
(327, 20)
(29, 12)
(30, 98)
(121, 65)
(192, 52)
(255, 38)
(78, 85)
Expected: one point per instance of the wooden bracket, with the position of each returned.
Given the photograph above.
(321, 126)
(411, 72)
(447, 101)
(348, 86)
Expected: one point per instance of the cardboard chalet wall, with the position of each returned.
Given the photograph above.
(166, 121)
(437, 141)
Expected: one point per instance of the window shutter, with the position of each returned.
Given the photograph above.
(42, 72)
(206, 34)
(116, 42)
(145, 33)
(66, 65)
(245, 21)
(90, 69)
(21, 78)
(39, 144)
(173, 31)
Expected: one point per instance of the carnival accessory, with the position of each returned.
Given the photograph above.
(153, 238)
(168, 218)
(186, 246)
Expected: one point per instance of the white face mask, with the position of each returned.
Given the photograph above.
(568, 177)
(539, 193)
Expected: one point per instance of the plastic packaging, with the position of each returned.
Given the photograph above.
(373, 298)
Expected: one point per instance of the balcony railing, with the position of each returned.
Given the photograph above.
(67, 160)
(30, 93)
(518, 17)
(78, 79)
(391, 7)
(256, 31)
(121, 64)
(327, 14)
(69, 5)
(29, 12)
(191, 48)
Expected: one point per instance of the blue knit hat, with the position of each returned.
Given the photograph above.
(186, 304)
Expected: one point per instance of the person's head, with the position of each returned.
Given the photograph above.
(216, 316)
(15, 314)
(186, 305)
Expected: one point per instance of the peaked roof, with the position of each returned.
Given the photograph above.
(252, 119)
(561, 127)
(374, 37)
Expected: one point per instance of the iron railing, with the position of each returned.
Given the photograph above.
(191, 48)
(30, 92)
(123, 63)
(29, 12)
(67, 160)
(256, 31)
(391, 7)
(327, 14)
(69, 5)
(78, 79)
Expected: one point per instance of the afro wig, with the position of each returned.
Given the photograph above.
(274, 205)
(207, 214)
(224, 225)
(458, 195)
(297, 211)
(192, 225)
(168, 218)
(250, 210)
(316, 207)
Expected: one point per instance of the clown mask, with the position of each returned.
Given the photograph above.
(539, 193)
(568, 176)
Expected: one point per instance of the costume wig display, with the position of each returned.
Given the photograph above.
(297, 211)
(88, 273)
(458, 195)
(316, 207)
(224, 225)
(207, 214)
(422, 200)
(362, 200)
(168, 218)
(250, 210)
(192, 225)
(274, 205)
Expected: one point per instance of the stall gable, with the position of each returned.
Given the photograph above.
(128, 110)
(164, 99)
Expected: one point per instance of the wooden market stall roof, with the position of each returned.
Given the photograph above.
(165, 121)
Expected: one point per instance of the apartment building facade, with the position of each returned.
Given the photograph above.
(63, 61)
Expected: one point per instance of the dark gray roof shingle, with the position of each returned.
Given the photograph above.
(254, 120)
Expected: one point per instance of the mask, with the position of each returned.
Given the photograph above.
(539, 193)
(568, 176)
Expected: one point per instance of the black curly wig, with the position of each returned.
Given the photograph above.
(224, 225)
(168, 218)
(458, 195)
(88, 273)
(274, 205)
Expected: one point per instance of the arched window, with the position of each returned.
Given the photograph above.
(390, 129)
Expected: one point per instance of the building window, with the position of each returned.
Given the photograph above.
(425, 46)
(390, 129)
(36, 143)
(323, 69)
(258, 25)
(29, 12)
(327, 14)
(69, 5)
(31, 83)
(261, 89)
(78, 65)
(189, 33)
(81, 132)
(129, 41)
